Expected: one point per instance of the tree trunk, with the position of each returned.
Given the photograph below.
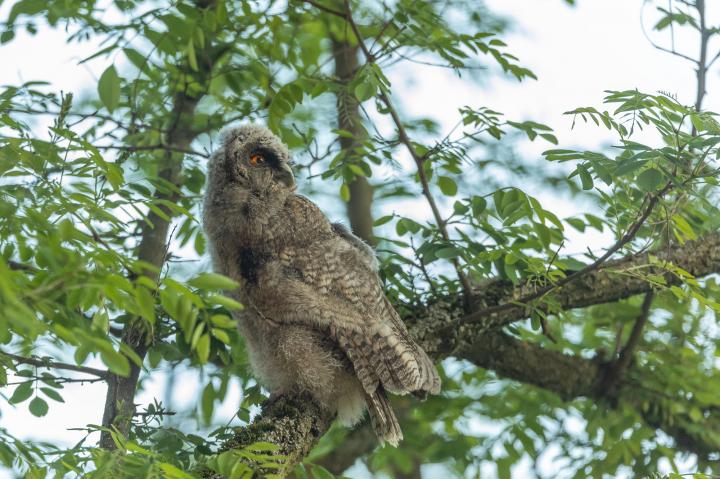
(359, 208)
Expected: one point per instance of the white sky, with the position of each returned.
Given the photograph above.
(577, 53)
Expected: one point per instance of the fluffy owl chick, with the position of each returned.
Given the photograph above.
(315, 316)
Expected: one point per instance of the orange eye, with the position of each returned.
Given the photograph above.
(257, 160)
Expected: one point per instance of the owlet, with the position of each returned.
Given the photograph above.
(316, 318)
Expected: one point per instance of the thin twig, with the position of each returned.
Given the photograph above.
(42, 363)
(405, 140)
(82, 116)
(15, 266)
(546, 329)
(672, 50)
(636, 333)
(159, 146)
(156, 413)
(480, 315)
(618, 367)
(57, 380)
(329, 10)
(702, 61)
(422, 267)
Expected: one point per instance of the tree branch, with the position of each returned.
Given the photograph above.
(618, 367)
(293, 422)
(438, 330)
(479, 316)
(702, 65)
(359, 206)
(15, 266)
(405, 140)
(573, 376)
(163, 147)
(119, 405)
(329, 10)
(152, 249)
(358, 443)
(46, 363)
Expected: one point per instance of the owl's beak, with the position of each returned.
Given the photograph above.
(285, 175)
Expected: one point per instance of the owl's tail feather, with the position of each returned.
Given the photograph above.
(382, 418)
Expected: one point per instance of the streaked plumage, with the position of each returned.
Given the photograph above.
(316, 318)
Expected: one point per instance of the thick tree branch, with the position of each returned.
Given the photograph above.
(613, 281)
(572, 377)
(293, 422)
(567, 376)
(119, 405)
(439, 331)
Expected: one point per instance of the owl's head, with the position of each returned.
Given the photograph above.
(253, 160)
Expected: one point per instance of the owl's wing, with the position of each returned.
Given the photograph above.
(366, 252)
(331, 286)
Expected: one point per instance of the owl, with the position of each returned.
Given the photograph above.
(316, 318)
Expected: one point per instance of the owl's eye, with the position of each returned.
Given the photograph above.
(257, 160)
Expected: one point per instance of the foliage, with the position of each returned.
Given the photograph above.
(86, 182)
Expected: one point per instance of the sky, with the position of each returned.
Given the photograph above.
(577, 54)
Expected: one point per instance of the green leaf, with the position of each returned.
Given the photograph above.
(449, 252)
(206, 402)
(52, 394)
(117, 363)
(203, 348)
(136, 58)
(365, 90)
(172, 472)
(192, 59)
(224, 301)
(585, 178)
(146, 303)
(38, 407)
(320, 472)
(223, 321)
(263, 447)
(696, 415)
(221, 335)
(21, 393)
(382, 220)
(650, 179)
(213, 282)
(447, 185)
(109, 88)
(478, 204)
(345, 192)
(7, 36)
(697, 122)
